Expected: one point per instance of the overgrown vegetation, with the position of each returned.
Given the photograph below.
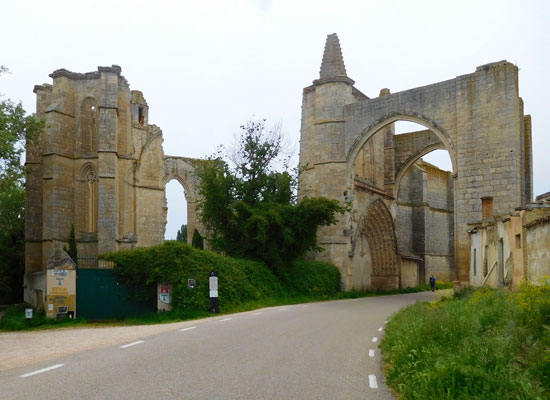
(14, 320)
(250, 209)
(240, 280)
(244, 285)
(15, 126)
(482, 344)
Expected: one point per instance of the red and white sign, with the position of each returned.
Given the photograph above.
(164, 293)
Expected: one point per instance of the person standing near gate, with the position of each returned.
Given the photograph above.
(432, 282)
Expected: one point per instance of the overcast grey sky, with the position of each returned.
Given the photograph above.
(205, 67)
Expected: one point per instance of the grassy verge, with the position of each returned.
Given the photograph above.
(483, 344)
(14, 320)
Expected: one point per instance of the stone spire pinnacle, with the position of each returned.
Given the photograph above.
(333, 62)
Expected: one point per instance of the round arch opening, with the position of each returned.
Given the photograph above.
(176, 214)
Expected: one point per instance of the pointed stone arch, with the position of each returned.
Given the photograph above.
(86, 199)
(369, 131)
(377, 226)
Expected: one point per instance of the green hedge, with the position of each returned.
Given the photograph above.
(311, 278)
(239, 280)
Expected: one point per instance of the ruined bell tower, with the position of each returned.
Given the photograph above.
(98, 166)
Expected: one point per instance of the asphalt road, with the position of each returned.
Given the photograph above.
(310, 351)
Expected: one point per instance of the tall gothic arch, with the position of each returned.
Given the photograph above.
(377, 227)
(86, 199)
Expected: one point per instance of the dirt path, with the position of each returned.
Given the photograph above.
(18, 349)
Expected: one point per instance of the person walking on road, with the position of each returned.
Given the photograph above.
(432, 282)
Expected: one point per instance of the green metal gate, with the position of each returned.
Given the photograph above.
(100, 296)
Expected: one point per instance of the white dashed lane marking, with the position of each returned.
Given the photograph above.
(374, 339)
(372, 381)
(225, 319)
(282, 309)
(132, 344)
(379, 329)
(42, 370)
(371, 353)
(187, 329)
(257, 313)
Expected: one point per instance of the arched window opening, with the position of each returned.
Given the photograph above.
(88, 125)
(87, 200)
(141, 115)
(176, 217)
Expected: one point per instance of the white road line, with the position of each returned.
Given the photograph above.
(374, 339)
(386, 321)
(379, 329)
(41, 370)
(256, 313)
(282, 309)
(225, 319)
(187, 329)
(372, 381)
(371, 353)
(132, 344)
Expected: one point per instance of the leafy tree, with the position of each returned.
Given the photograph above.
(72, 251)
(15, 126)
(181, 236)
(250, 210)
(197, 241)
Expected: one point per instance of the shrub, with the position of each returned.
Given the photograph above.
(239, 280)
(311, 278)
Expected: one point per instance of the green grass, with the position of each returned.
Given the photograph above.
(14, 320)
(483, 344)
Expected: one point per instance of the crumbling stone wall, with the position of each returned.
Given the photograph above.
(183, 169)
(99, 165)
(512, 248)
(425, 219)
(478, 118)
(536, 240)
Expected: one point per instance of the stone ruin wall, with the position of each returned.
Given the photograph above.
(425, 219)
(478, 118)
(99, 165)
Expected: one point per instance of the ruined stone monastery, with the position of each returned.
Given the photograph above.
(100, 165)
